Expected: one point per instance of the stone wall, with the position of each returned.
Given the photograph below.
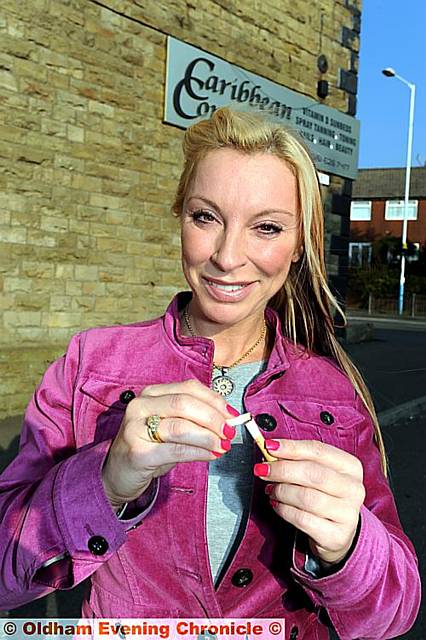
(88, 169)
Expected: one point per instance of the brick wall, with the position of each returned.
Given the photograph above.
(88, 170)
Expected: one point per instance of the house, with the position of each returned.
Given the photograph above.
(377, 211)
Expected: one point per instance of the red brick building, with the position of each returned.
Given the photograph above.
(377, 210)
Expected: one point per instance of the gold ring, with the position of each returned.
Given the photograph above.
(152, 424)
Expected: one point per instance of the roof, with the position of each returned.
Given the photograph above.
(389, 183)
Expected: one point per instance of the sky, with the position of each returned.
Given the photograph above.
(393, 34)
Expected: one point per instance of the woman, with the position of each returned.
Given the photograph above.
(112, 481)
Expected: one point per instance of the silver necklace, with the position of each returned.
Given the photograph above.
(223, 383)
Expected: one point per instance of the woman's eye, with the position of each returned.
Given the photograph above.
(269, 229)
(204, 217)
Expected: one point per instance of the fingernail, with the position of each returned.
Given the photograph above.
(232, 411)
(215, 453)
(268, 489)
(261, 469)
(225, 444)
(272, 445)
(229, 432)
(273, 503)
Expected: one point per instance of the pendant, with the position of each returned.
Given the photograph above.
(222, 384)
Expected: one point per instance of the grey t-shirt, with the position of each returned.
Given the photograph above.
(230, 483)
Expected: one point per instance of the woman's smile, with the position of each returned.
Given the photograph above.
(227, 292)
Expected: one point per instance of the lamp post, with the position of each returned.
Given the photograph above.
(390, 73)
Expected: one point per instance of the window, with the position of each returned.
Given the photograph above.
(361, 210)
(360, 254)
(395, 210)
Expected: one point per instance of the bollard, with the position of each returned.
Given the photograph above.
(413, 305)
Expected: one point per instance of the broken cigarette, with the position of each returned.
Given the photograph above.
(253, 429)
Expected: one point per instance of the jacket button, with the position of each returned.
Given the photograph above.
(326, 417)
(294, 633)
(98, 545)
(265, 421)
(242, 577)
(127, 396)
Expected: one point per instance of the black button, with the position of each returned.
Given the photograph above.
(294, 633)
(242, 578)
(265, 421)
(326, 417)
(98, 545)
(127, 396)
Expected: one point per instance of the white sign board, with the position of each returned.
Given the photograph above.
(197, 83)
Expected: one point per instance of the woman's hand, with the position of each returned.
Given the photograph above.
(319, 489)
(193, 428)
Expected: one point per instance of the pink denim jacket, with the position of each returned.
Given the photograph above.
(53, 507)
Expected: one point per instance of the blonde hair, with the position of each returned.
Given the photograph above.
(305, 303)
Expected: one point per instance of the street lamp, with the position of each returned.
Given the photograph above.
(390, 73)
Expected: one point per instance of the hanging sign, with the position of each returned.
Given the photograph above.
(197, 83)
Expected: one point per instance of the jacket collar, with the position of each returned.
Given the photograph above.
(201, 349)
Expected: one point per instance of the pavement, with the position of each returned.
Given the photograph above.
(393, 363)
(382, 321)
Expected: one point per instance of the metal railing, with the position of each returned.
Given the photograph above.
(414, 305)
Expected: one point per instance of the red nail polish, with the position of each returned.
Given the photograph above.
(268, 489)
(274, 503)
(232, 411)
(261, 469)
(272, 445)
(215, 453)
(225, 444)
(229, 431)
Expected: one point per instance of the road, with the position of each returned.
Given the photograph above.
(393, 365)
(406, 447)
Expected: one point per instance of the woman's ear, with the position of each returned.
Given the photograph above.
(297, 254)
